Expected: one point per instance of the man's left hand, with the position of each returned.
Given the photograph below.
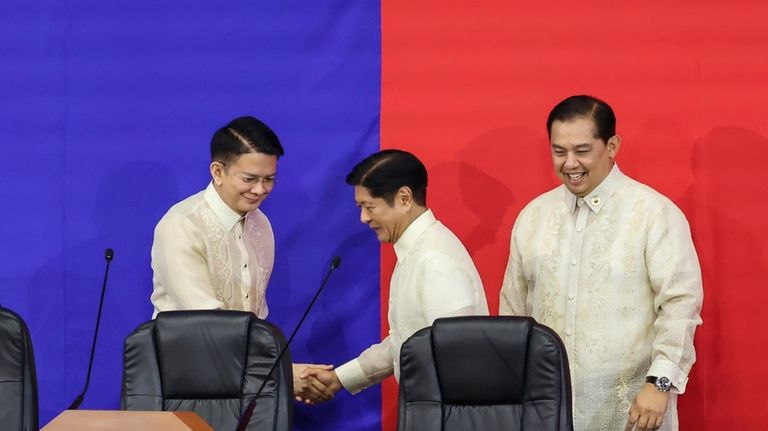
(648, 408)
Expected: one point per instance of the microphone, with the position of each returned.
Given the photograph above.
(108, 255)
(245, 419)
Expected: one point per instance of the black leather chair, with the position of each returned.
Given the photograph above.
(484, 373)
(18, 381)
(210, 362)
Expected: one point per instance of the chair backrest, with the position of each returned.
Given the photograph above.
(484, 373)
(211, 362)
(18, 381)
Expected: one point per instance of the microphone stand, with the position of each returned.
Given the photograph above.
(108, 255)
(245, 419)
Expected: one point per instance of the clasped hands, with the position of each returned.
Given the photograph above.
(314, 383)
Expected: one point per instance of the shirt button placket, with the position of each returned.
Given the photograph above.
(573, 279)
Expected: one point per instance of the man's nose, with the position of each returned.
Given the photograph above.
(364, 217)
(259, 188)
(570, 160)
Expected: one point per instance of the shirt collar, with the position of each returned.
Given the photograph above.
(412, 233)
(226, 215)
(597, 198)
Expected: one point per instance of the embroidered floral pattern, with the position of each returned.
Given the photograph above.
(221, 257)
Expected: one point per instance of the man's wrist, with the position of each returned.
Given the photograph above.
(662, 383)
(336, 383)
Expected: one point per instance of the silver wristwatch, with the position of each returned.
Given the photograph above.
(663, 384)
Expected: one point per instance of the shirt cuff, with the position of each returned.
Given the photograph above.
(352, 376)
(670, 370)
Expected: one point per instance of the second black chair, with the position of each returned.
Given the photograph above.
(484, 373)
(210, 362)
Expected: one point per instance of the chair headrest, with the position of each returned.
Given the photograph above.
(202, 353)
(496, 346)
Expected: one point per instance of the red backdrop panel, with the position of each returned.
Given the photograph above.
(467, 85)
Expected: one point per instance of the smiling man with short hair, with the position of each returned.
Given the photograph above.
(215, 249)
(434, 275)
(609, 264)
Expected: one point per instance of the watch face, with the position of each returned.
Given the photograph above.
(663, 384)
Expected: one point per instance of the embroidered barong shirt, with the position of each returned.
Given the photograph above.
(207, 256)
(616, 275)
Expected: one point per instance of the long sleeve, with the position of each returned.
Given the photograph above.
(675, 277)
(372, 366)
(514, 290)
(182, 277)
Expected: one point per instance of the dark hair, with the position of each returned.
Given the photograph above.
(383, 174)
(244, 135)
(585, 106)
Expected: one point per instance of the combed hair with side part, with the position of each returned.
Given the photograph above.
(385, 172)
(583, 106)
(241, 136)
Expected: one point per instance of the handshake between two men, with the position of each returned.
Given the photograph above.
(314, 383)
(390, 192)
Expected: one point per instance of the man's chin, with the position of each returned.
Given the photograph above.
(249, 208)
(579, 190)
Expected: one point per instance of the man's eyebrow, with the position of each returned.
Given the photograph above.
(249, 174)
(583, 146)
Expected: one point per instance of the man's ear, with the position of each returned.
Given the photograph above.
(613, 146)
(217, 172)
(404, 197)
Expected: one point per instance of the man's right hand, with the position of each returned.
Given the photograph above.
(309, 389)
(325, 376)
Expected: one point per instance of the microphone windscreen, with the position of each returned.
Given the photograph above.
(109, 254)
(336, 262)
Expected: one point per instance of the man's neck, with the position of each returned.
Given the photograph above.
(415, 212)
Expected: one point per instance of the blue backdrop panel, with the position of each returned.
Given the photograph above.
(105, 117)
